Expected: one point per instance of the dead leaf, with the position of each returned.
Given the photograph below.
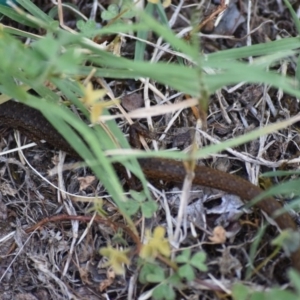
(6, 189)
(132, 101)
(84, 275)
(219, 235)
(85, 182)
(107, 282)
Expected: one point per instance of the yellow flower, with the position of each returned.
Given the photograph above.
(116, 258)
(94, 100)
(156, 244)
(91, 96)
(165, 3)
